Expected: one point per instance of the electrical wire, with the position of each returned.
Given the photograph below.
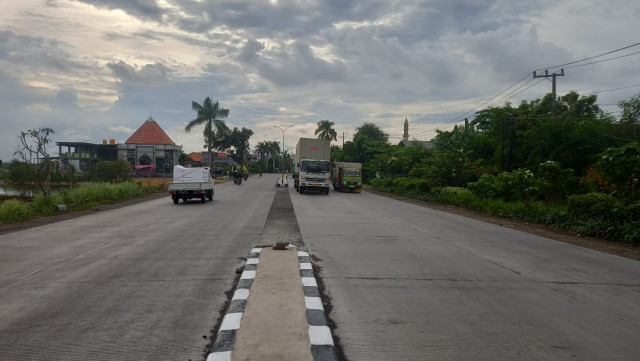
(589, 58)
(609, 90)
(602, 61)
(511, 94)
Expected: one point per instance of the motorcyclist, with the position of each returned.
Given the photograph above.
(260, 173)
(237, 176)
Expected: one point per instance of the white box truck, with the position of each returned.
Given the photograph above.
(313, 168)
(191, 183)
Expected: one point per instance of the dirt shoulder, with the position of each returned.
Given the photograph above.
(540, 230)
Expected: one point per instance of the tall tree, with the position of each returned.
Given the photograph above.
(210, 115)
(325, 130)
(240, 141)
(263, 149)
(371, 132)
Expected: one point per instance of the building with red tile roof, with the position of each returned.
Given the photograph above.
(150, 146)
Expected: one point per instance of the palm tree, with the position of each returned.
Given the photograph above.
(263, 148)
(326, 131)
(273, 149)
(210, 115)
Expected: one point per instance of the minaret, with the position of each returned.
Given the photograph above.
(405, 136)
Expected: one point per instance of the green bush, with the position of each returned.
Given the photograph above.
(44, 204)
(517, 185)
(13, 210)
(594, 205)
(554, 182)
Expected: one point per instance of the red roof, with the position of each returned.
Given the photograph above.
(196, 156)
(150, 133)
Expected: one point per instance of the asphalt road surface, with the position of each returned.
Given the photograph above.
(412, 283)
(145, 282)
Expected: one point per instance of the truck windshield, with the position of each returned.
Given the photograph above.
(352, 172)
(318, 166)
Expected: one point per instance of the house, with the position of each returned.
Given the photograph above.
(82, 157)
(405, 142)
(150, 146)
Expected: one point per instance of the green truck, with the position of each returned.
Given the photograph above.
(346, 176)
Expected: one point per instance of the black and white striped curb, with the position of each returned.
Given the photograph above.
(226, 337)
(322, 347)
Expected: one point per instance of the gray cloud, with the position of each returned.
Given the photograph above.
(148, 74)
(144, 9)
(294, 65)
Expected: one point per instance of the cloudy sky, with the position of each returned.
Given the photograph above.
(97, 69)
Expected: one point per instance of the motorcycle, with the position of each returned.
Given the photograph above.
(245, 176)
(237, 178)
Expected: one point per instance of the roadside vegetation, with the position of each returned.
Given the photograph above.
(78, 198)
(576, 168)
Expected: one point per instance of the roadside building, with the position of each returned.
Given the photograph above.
(150, 148)
(82, 157)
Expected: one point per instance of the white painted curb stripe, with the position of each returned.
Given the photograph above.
(256, 250)
(248, 275)
(219, 356)
(320, 335)
(231, 321)
(240, 294)
(305, 266)
(303, 254)
(309, 282)
(253, 261)
(313, 303)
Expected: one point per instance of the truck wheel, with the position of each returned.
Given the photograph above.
(175, 200)
(326, 191)
(301, 189)
(210, 195)
(203, 198)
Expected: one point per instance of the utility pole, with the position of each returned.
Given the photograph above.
(553, 86)
(342, 141)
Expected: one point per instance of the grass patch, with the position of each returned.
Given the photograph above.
(79, 198)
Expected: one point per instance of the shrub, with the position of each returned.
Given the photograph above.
(44, 204)
(14, 210)
(554, 182)
(516, 185)
(594, 205)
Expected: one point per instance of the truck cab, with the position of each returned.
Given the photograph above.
(347, 177)
(313, 175)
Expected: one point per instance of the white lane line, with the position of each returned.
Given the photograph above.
(320, 335)
(313, 303)
(240, 294)
(231, 321)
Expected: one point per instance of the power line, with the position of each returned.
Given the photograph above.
(602, 61)
(610, 90)
(589, 58)
(511, 94)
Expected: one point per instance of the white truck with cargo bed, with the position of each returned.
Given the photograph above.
(189, 183)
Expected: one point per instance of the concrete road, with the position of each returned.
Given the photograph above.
(145, 282)
(412, 283)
